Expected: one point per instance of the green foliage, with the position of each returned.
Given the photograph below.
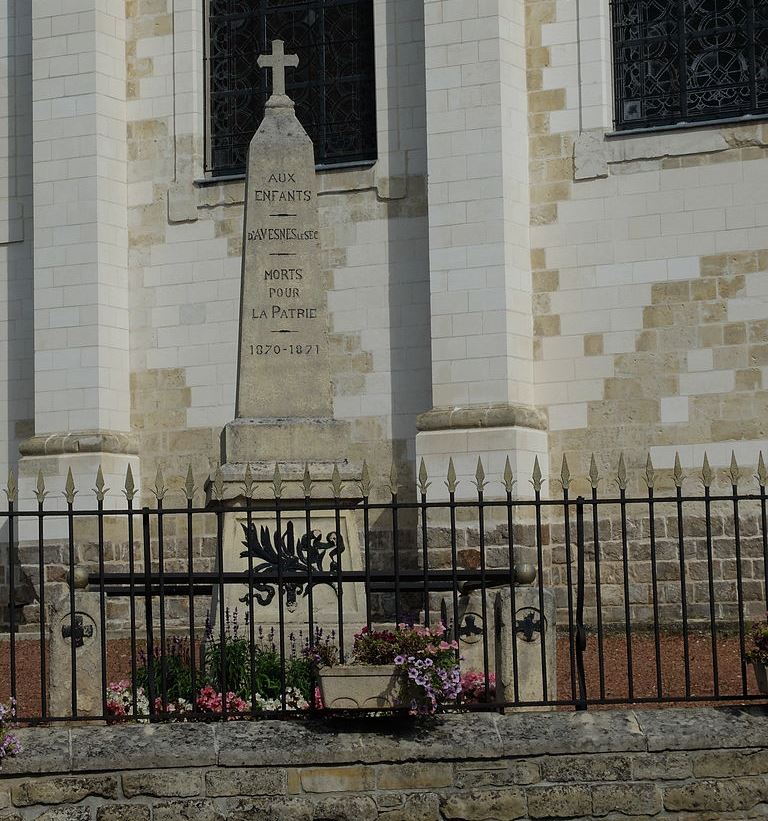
(175, 669)
(758, 639)
(384, 646)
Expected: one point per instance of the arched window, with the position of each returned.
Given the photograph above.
(685, 61)
(333, 87)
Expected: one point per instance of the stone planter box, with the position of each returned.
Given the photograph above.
(761, 674)
(359, 686)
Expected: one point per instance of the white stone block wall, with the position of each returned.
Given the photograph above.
(637, 347)
(478, 202)
(80, 239)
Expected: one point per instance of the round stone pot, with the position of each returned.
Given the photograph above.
(359, 686)
(761, 674)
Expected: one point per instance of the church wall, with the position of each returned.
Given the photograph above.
(16, 360)
(650, 264)
(185, 246)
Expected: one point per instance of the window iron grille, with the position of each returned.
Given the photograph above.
(687, 61)
(333, 87)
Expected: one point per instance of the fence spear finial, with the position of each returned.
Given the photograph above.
(509, 477)
(393, 484)
(733, 471)
(365, 480)
(650, 473)
(423, 477)
(565, 474)
(479, 480)
(677, 473)
(248, 481)
(277, 482)
(129, 488)
(621, 473)
(594, 475)
(12, 489)
(40, 491)
(100, 490)
(160, 488)
(706, 472)
(189, 484)
(217, 484)
(762, 473)
(336, 484)
(451, 482)
(306, 481)
(536, 478)
(69, 488)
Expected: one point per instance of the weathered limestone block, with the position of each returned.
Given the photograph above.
(123, 812)
(530, 628)
(63, 790)
(200, 809)
(640, 799)
(661, 766)
(413, 776)
(721, 763)
(247, 781)
(414, 807)
(346, 808)
(717, 795)
(503, 805)
(66, 814)
(559, 801)
(282, 743)
(581, 768)
(570, 733)
(46, 750)
(496, 774)
(282, 809)
(162, 784)
(87, 638)
(142, 746)
(707, 728)
(336, 779)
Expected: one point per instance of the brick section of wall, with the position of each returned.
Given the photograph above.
(661, 764)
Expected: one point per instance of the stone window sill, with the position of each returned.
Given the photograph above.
(598, 153)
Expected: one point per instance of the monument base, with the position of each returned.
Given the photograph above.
(272, 440)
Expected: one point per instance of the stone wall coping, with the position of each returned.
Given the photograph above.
(478, 736)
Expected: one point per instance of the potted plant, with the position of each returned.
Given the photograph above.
(411, 667)
(758, 654)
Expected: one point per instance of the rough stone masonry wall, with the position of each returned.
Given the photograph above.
(691, 764)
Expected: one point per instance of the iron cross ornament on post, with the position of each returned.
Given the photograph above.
(79, 633)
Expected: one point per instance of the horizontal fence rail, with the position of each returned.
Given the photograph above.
(236, 606)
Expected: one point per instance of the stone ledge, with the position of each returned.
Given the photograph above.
(492, 415)
(598, 154)
(474, 737)
(85, 441)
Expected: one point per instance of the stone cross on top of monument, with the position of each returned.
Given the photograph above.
(278, 61)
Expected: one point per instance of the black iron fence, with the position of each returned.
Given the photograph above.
(233, 606)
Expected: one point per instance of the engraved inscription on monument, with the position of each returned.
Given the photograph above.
(284, 368)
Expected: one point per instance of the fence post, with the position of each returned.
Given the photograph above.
(149, 624)
(581, 633)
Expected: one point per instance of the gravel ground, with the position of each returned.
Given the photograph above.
(614, 666)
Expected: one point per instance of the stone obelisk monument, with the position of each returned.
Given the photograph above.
(284, 366)
(284, 411)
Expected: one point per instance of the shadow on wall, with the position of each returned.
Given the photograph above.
(16, 265)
